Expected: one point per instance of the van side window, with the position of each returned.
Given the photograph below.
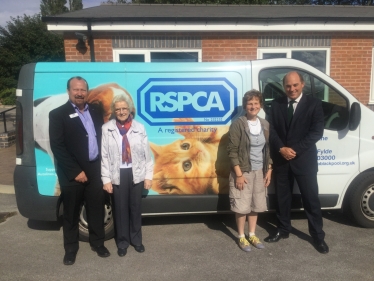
(335, 107)
(271, 84)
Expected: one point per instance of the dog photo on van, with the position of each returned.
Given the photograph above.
(101, 96)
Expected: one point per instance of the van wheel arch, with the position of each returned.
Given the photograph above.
(108, 223)
(83, 225)
(359, 200)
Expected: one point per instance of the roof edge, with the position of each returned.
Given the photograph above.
(199, 19)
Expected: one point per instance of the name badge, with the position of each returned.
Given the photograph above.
(73, 115)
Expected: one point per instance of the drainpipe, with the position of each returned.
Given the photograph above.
(91, 41)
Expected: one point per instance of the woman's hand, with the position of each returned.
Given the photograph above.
(108, 187)
(147, 184)
(239, 182)
(267, 178)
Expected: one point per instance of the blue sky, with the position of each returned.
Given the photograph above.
(13, 8)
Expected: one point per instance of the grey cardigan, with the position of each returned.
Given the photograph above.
(142, 163)
(239, 144)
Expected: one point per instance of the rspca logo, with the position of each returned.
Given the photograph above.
(205, 100)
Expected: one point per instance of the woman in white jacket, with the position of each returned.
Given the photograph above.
(126, 168)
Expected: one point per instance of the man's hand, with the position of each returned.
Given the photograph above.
(108, 187)
(287, 152)
(81, 177)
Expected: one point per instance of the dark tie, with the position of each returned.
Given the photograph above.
(290, 111)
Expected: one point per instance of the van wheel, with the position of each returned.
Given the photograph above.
(359, 200)
(108, 223)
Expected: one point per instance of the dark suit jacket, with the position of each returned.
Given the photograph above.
(301, 135)
(69, 143)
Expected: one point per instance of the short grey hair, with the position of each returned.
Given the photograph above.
(125, 98)
(250, 95)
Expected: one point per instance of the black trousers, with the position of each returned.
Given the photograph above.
(127, 199)
(92, 194)
(309, 194)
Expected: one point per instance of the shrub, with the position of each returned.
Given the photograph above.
(8, 96)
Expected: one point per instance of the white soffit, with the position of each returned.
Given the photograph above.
(214, 27)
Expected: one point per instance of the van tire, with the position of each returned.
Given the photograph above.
(108, 223)
(359, 200)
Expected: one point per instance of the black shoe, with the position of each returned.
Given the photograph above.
(122, 252)
(276, 237)
(101, 251)
(139, 249)
(321, 247)
(69, 258)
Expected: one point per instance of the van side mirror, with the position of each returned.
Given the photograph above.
(354, 116)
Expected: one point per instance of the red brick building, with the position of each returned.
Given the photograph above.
(337, 40)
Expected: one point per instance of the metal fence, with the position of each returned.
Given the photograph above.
(3, 114)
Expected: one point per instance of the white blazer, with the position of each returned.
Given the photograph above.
(142, 163)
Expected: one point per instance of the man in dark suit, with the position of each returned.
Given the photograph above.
(75, 137)
(296, 124)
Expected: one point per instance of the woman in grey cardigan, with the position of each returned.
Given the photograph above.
(126, 168)
(248, 150)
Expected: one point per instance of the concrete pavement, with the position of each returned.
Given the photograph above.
(6, 189)
(188, 248)
(182, 248)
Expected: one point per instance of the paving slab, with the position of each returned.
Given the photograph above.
(7, 165)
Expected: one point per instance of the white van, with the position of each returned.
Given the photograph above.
(188, 105)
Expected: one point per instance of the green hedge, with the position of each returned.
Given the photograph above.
(8, 96)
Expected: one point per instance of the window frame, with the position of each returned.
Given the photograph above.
(288, 51)
(312, 76)
(147, 53)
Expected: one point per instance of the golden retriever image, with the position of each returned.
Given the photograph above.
(101, 96)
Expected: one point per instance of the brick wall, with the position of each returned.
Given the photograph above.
(350, 53)
(228, 47)
(71, 52)
(102, 46)
(215, 48)
(7, 139)
(103, 49)
(351, 56)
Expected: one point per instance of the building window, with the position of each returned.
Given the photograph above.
(132, 57)
(316, 57)
(142, 55)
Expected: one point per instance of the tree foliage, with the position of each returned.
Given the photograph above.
(56, 7)
(75, 5)
(53, 7)
(254, 2)
(214, 2)
(8, 96)
(25, 40)
(117, 1)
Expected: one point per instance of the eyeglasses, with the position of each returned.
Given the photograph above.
(125, 109)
